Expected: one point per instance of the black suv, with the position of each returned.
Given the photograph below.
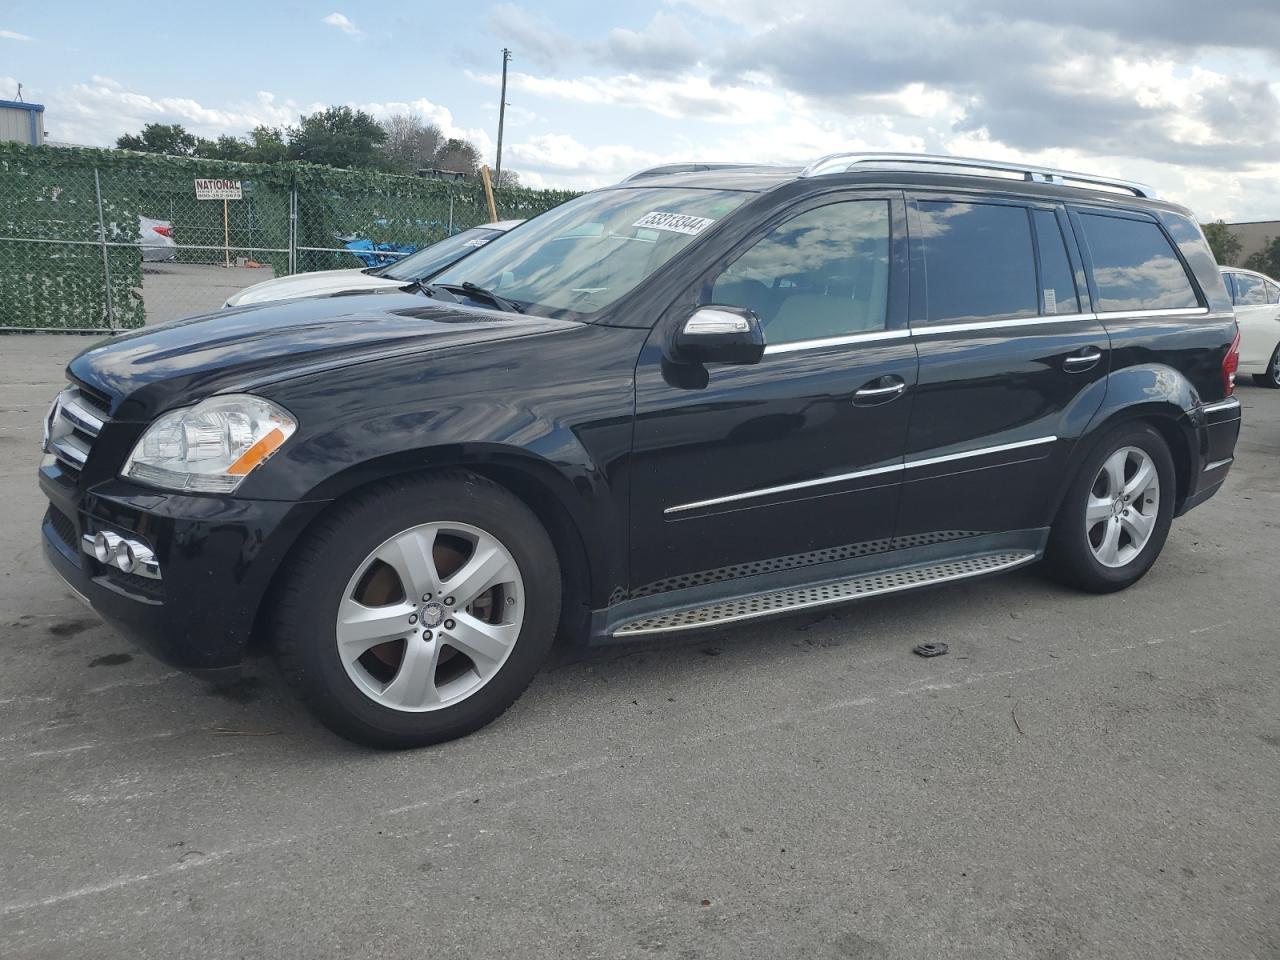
(688, 400)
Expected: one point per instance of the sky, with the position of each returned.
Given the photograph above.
(1180, 94)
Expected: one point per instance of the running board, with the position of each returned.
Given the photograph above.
(820, 595)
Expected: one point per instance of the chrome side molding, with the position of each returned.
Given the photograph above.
(856, 474)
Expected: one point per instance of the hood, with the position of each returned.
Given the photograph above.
(318, 284)
(151, 370)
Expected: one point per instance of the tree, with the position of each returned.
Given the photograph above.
(412, 142)
(224, 148)
(168, 138)
(1266, 260)
(266, 145)
(1224, 244)
(509, 178)
(460, 156)
(337, 137)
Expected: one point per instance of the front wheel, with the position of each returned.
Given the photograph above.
(1272, 377)
(418, 611)
(1117, 512)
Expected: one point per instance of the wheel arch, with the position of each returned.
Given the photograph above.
(587, 568)
(1156, 394)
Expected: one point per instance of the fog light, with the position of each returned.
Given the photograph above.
(124, 557)
(104, 546)
(124, 553)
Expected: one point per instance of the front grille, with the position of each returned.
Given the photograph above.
(63, 526)
(74, 424)
(100, 402)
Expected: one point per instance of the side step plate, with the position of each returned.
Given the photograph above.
(818, 595)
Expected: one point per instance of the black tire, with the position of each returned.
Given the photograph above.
(306, 609)
(1272, 377)
(1069, 556)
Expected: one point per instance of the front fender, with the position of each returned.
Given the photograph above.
(555, 412)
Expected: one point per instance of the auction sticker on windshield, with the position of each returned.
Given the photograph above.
(674, 222)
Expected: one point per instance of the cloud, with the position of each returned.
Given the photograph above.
(342, 23)
(666, 46)
(687, 97)
(13, 35)
(532, 38)
(97, 111)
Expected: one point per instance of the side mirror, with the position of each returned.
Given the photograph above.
(720, 334)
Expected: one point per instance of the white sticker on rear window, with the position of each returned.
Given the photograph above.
(674, 222)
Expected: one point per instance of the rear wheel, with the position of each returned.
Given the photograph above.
(1272, 377)
(1117, 512)
(420, 610)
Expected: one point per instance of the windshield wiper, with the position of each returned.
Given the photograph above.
(475, 290)
(445, 291)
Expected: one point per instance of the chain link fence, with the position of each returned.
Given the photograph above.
(102, 240)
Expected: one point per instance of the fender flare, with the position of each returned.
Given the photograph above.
(1159, 395)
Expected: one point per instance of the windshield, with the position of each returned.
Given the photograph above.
(583, 255)
(436, 257)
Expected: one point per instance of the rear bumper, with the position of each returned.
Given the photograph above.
(217, 558)
(1217, 428)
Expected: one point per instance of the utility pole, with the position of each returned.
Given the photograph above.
(502, 116)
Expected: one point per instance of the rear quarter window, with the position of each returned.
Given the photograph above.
(1134, 265)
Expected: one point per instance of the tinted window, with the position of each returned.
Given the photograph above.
(1229, 281)
(1250, 291)
(576, 259)
(1134, 267)
(978, 261)
(824, 273)
(1057, 286)
(436, 257)
(1273, 293)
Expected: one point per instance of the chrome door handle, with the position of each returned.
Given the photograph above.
(880, 391)
(1081, 361)
(879, 394)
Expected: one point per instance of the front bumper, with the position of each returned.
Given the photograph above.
(217, 558)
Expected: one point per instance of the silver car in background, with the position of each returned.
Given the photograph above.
(416, 266)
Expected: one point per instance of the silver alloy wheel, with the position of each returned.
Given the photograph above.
(430, 616)
(1274, 372)
(1123, 504)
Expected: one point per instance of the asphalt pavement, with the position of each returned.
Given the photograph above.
(1079, 777)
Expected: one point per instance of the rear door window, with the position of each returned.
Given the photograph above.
(1134, 265)
(979, 263)
(1273, 293)
(1250, 291)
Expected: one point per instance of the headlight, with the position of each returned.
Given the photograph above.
(210, 447)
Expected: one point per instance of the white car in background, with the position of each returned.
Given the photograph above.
(1257, 300)
(156, 239)
(417, 266)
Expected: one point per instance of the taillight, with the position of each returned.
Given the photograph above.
(1230, 364)
(164, 231)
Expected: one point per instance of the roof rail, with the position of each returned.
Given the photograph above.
(686, 167)
(845, 162)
